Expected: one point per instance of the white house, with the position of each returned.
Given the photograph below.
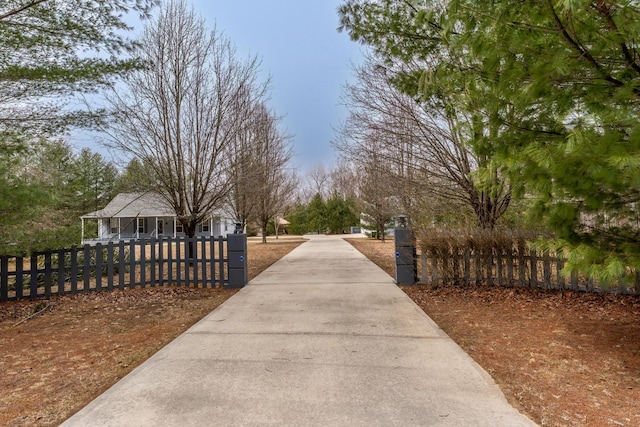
(145, 215)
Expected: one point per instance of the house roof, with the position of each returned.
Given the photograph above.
(131, 205)
(282, 221)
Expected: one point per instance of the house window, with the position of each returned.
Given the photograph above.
(205, 227)
(140, 225)
(179, 228)
(113, 225)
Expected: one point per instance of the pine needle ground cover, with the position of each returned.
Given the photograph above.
(569, 359)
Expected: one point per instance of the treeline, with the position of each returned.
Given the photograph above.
(336, 215)
(44, 187)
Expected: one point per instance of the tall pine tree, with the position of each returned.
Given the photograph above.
(559, 85)
(52, 49)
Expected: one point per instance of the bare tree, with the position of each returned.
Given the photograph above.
(317, 179)
(241, 196)
(378, 197)
(181, 114)
(259, 157)
(345, 179)
(424, 146)
(274, 181)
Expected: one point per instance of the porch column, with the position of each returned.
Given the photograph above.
(137, 230)
(211, 226)
(156, 226)
(119, 228)
(175, 227)
(82, 235)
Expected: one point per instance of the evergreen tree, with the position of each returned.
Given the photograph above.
(297, 217)
(551, 91)
(317, 215)
(51, 49)
(93, 181)
(20, 198)
(44, 189)
(340, 214)
(134, 179)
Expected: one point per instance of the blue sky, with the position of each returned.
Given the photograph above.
(302, 52)
(308, 61)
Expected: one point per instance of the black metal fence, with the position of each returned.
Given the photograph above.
(200, 262)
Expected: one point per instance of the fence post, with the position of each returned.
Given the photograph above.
(238, 272)
(33, 271)
(224, 277)
(467, 266)
(406, 265)
(143, 263)
(179, 244)
(161, 262)
(423, 259)
(4, 278)
(546, 270)
(61, 271)
(48, 274)
(522, 266)
(456, 264)
(152, 261)
(110, 263)
(19, 277)
(86, 269)
(203, 251)
(533, 259)
(98, 249)
(73, 268)
(132, 264)
(170, 246)
(121, 264)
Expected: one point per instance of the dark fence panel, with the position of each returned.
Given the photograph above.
(519, 268)
(135, 263)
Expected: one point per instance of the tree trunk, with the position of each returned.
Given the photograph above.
(381, 232)
(263, 226)
(275, 226)
(489, 209)
(190, 232)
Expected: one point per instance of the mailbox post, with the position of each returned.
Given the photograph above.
(405, 246)
(238, 271)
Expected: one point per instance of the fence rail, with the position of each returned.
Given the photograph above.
(201, 262)
(518, 268)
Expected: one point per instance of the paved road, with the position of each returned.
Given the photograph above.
(322, 338)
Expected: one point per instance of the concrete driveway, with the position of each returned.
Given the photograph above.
(321, 338)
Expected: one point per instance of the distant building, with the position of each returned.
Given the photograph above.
(146, 215)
